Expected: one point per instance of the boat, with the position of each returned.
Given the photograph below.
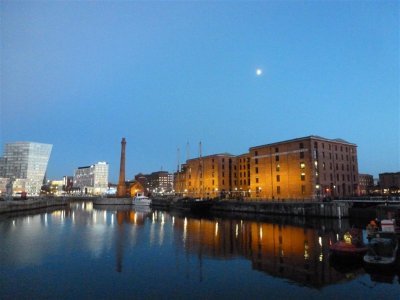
(141, 200)
(382, 249)
(350, 247)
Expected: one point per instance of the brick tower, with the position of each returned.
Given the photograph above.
(121, 189)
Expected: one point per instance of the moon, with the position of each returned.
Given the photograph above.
(258, 72)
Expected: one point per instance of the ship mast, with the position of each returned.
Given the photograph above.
(200, 171)
(187, 151)
(178, 156)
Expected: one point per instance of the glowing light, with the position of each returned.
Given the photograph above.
(184, 229)
(347, 238)
(258, 72)
(216, 229)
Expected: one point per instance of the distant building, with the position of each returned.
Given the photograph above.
(112, 189)
(68, 183)
(160, 182)
(207, 177)
(389, 183)
(310, 167)
(143, 180)
(135, 188)
(92, 180)
(56, 187)
(365, 183)
(25, 164)
(3, 185)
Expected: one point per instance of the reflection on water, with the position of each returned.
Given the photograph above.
(290, 249)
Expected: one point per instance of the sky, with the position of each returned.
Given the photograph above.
(81, 75)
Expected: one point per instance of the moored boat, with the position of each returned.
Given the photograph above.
(382, 249)
(350, 247)
(141, 200)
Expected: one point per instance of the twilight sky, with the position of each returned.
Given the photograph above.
(82, 75)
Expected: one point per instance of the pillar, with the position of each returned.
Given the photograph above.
(121, 189)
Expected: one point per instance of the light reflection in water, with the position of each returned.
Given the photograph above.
(288, 251)
(184, 229)
(306, 255)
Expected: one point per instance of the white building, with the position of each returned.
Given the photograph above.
(92, 180)
(25, 164)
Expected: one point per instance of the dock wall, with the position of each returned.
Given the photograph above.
(303, 209)
(19, 205)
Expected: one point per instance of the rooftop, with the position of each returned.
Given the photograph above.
(310, 137)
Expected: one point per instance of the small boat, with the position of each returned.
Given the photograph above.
(141, 200)
(382, 249)
(350, 247)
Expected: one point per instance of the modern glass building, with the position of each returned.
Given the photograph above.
(25, 163)
(92, 180)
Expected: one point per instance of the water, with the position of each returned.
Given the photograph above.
(87, 252)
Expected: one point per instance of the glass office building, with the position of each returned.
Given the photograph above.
(25, 163)
(92, 180)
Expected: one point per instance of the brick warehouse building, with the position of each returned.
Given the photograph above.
(305, 168)
(207, 176)
(310, 167)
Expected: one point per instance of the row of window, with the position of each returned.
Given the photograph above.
(278, 189)
(336, 147)
(339, 189)
(278, 178)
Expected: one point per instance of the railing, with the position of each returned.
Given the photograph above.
(372, 200)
